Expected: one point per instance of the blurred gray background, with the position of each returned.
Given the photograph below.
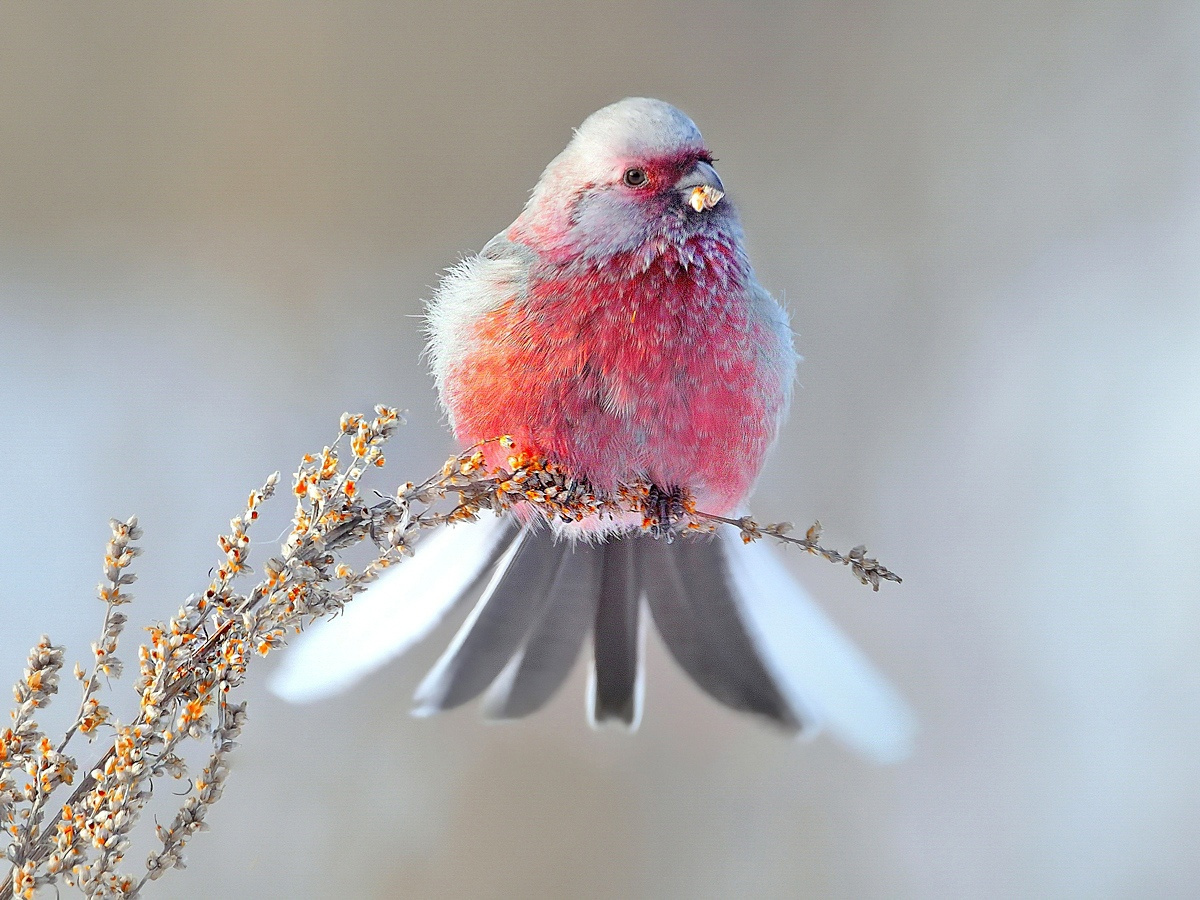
(216, 224)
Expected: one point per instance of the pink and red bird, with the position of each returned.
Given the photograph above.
(617, 329)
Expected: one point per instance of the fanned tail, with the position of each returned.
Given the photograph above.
(730, 615)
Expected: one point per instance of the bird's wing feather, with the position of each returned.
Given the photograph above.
(403, 606)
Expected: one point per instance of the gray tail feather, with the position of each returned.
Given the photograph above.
(553, 644)
(690, 592)
(494, 631)
(616, 640)
(525, 633)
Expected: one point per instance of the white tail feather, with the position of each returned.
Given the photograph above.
(405, 605)
(819, 670)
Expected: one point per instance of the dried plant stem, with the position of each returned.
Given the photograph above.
(192, 663)
(867, 570)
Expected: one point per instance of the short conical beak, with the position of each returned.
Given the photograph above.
(701, 186)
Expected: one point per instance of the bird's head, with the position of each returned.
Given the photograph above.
(636, 172)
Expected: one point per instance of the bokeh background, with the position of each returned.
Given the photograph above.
(218, 221)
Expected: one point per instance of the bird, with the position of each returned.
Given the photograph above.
(617, 329)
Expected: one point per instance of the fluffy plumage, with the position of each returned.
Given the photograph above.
(616, 327)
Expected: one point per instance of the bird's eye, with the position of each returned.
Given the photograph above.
(635, 177)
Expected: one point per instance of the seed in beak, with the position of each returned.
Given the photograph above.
(704, 196)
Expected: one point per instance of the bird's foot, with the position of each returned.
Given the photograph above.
(664, 508)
